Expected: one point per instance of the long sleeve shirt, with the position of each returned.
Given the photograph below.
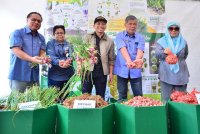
(57, 52)
(165, 74)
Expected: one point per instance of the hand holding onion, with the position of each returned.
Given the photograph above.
(167, 51)
(138, 63)
(46, 60)
(135, 64)
(130, 64)
(40, 60)
(65, 63)
(171, 59)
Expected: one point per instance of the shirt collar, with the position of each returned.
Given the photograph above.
(126, 34)
(104, 37)
(28, 30)
(58, 43)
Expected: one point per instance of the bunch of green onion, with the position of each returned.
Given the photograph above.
(47, 97)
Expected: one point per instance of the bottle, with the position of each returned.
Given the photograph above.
(43, 80)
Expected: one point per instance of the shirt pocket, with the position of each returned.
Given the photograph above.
(132, 48)
(36, 47)
(37, 44)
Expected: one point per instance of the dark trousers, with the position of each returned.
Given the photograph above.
(166, 90)
(99, 80)
(58, 84)
(122, 85)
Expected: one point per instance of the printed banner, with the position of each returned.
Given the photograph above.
(79, 15)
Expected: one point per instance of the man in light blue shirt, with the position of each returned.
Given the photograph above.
(27, 45)
(130, 49)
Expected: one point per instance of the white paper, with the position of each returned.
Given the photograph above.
(29, 105)
(198, 98)
(84, 104)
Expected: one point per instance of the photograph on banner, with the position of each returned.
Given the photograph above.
(150, 84)
(150, 81)
(113, 10)
(156, 7)
(156, 16)
(138, 8)
(72, 14)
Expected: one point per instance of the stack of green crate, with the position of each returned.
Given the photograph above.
(140, 120)
(39, 121)
(85, 121)
(184, 118)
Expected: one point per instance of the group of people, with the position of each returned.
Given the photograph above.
(28, 46)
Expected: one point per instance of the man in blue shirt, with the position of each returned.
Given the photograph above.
(130, 49)
(27, 46)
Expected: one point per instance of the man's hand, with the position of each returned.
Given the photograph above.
(110, 77)
(138, 63)
(130, 64)
(36, 59)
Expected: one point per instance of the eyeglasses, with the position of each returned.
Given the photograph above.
(174, 28)
(34, 20)
(59, 33)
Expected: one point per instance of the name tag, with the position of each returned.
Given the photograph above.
(29, 105)
(84, 104)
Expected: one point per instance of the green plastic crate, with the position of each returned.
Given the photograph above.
(40, 121)
(85, 121)
(140, 120)
(184, 118)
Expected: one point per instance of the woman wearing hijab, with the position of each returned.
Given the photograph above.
(172, 51)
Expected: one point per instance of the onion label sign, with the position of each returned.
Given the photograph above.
(29, 105)
(198, 98)
(84, 104)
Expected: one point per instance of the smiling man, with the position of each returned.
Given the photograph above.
(105, 47)
(27, 45)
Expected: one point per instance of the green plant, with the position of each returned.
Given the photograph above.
(79, 2)
(84, 57)
(158, 4)
(153, 96)
(142, 25)
(47, 97)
